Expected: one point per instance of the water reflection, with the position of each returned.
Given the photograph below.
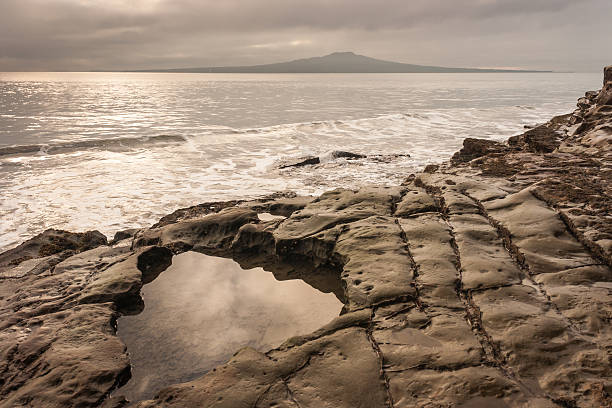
(202, 309)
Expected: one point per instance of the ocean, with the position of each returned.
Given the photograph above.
(109, 151)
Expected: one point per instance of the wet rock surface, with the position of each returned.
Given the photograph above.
(300, 162)
(473, 148)
(347, 155)
(485, 281)
(47, 248)
(338, 155)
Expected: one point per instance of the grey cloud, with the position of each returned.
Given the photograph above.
(95, 34)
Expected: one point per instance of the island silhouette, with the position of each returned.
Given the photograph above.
(337, 62)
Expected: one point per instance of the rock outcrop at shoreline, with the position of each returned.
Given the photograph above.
(482, 282)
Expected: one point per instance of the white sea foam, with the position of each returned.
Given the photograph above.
(105, 188)
(128, 176)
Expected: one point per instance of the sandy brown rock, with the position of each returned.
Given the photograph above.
(48, 243)
(279, 206)
(208, 232)
(607, 74)
(336, 370)
(484, 260)
(430, 244)
(282, 203)
(377, 266)
(337, 207)
(474, 148)
(541, 139)
(57, 340)
(414, 202)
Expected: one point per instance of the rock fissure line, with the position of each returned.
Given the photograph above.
(595, 250)
(443, 209)
(262, 395)
(12, 352)
(121, 379)
(305, 364)
(290, 394)
(473, 314)
(396, 200)
(439, 369)
(8, 278)
(413, 265)
(386, 302)
(519, 258)
(494, 287)
(340, 269)
(586, 265)
(381, 359)
(401, 311)
(506, 237)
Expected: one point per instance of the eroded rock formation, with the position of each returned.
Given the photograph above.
(485, 281)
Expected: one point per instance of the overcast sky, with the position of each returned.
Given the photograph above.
(43, 35)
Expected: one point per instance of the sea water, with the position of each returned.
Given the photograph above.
(109, 151)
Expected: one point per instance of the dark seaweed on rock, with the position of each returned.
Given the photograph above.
(300, 162)
(340, 154)
(346, 155)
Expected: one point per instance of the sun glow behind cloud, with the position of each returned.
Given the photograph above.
(131, 6)
(141, 34)
(277, 45)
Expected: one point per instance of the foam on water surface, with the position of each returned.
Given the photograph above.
(111, 151)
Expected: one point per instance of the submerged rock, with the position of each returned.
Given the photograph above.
(346, 155)
(485, 281)
(340, 154)
(300, 162)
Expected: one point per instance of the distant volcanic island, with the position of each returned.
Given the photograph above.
(337, 62)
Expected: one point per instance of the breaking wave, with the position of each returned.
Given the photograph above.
(379, 127)
(108, 151)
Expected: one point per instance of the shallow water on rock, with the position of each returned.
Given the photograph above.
(202, 309)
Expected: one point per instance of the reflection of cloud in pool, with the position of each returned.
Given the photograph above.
(202, 309)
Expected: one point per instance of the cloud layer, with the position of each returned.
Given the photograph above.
(138, 34)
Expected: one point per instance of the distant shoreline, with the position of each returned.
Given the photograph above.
(179, 71)
(100, 71)
(336, 63)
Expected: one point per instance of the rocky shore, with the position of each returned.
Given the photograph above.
(482, 282)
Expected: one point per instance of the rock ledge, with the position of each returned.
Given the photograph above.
(485, 281)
